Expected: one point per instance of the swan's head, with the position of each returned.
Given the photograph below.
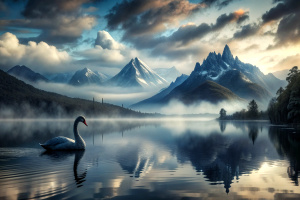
(82, 119)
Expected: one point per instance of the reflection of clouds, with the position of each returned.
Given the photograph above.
(151, 161)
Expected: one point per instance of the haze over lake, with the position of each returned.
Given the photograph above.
(150, 159)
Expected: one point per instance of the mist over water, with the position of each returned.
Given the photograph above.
(153, 158)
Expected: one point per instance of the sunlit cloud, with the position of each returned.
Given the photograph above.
(41, 57)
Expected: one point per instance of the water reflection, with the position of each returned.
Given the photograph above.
(156, 159)
(60, 156)
(287, 143)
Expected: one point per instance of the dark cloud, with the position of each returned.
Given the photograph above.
(189, 33)
(139, 17)
(238, 16)
(177, 45)
(285, 7)
(287, 12)
(219, 3)
(59, 22)
(288, 31)
(247, 30)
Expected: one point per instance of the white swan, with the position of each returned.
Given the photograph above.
(64, 143)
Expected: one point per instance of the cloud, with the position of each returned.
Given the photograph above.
(103, 55)
(105, 40)
(287, 12)
(238, 16)
(40, 57)
(180, 43)
(247, 31)
(139, 17)
(219, 3)
(60, 22)
(106, 52)
(287, 63)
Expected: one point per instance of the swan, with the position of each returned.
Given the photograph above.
(64, 143)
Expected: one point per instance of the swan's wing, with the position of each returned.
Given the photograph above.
(58, 140)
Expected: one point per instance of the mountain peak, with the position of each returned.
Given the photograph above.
(25, 73)
(137, 73)
(227, 55)
(197, 66)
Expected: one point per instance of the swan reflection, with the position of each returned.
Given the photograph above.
(63, 155)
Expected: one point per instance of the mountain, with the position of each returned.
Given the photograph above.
(19, 99)
(282, 74)
(26, 74)
(221, 77)
(87, 77)
(60, 77)
(243, 79)
(169, 74)
(158, 97)
(137, 74)
(207, 91)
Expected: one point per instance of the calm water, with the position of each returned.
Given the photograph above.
(175, 159)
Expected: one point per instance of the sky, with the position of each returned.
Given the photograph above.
(54, 36)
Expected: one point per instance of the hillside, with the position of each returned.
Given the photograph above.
(19, 99)
(207, 91)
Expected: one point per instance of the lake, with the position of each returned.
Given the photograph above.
(150, 159)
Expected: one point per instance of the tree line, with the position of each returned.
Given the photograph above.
(252, 113)
(285, 107)
(282, 109)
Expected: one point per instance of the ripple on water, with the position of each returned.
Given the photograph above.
(26, 169)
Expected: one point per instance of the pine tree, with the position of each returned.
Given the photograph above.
(253, 110)
(222, 113)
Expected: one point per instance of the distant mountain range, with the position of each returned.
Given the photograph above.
(282, 74)
(60, 77)
(24, 73)
(87, 77)
(221, 77)
(169, 74)
(164, 92)
(137, 74)
(25, 100)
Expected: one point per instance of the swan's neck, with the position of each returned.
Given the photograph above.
(78, 139)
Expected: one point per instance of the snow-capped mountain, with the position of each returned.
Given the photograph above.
(169, 74)
(86, 77)
(26, 74)
(245, 80)
(225, 77)
(137, 74)
(158, 97)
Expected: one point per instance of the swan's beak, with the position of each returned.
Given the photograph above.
(85, 123)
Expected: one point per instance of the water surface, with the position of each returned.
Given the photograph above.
(150, 159)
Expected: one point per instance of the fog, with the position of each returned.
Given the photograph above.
(113, 95)
(178, 108)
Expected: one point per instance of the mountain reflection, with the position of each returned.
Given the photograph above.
(62, 155)
(221, 157)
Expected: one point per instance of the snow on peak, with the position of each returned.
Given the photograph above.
(138, 72)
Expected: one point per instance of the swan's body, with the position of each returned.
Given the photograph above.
(64, 143)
